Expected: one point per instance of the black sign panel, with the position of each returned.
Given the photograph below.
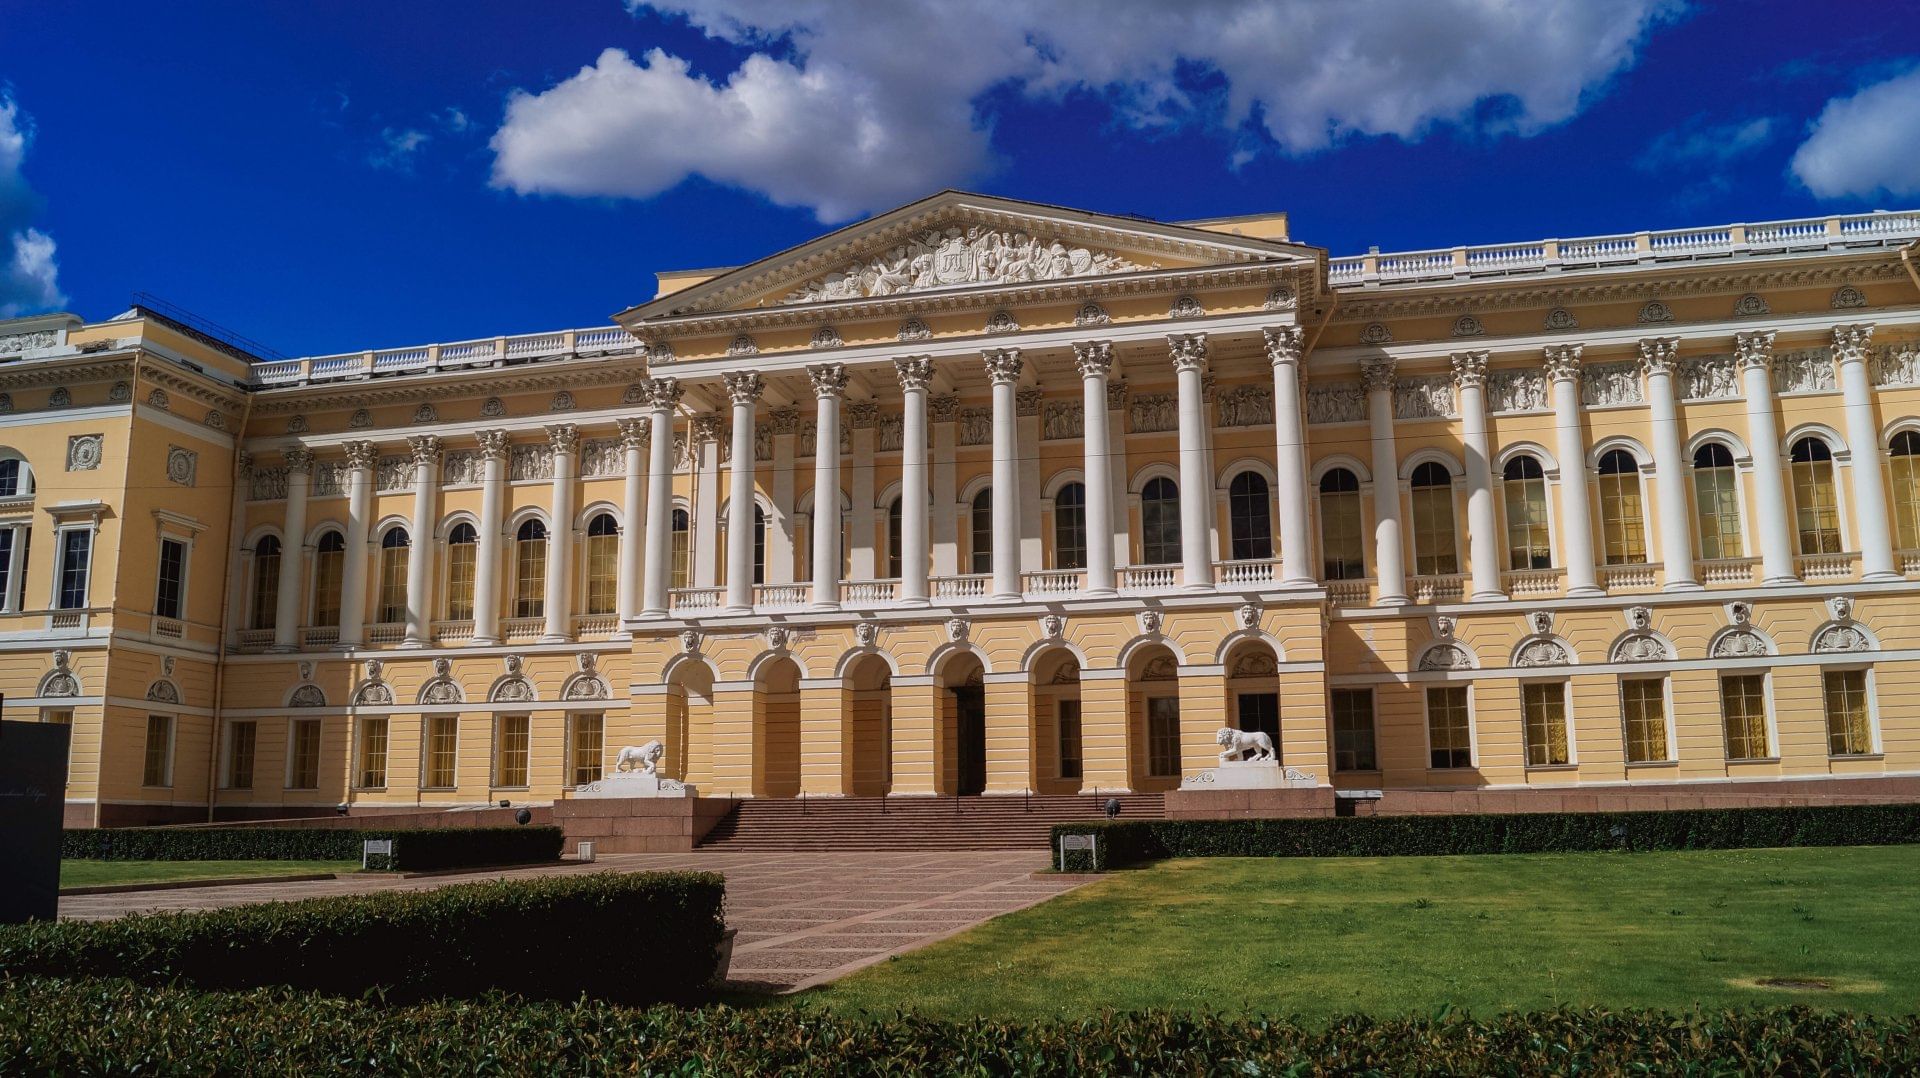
(33, 790)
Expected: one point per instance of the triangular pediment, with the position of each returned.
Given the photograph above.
(955, 242)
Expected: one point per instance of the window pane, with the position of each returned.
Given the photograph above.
(373, 754)
(982, 529)
(1906, 495)
(266, 590)
(589, 733)
(1163, 735)
(240, 753)
(304, 774)
(76, 554)
(1545, 708)
(461, 560)
(1815, 510)
(443, 740)
(393, 584)
(1341, 542)
(1743, 707)
(173, 565)
(1433, 532)
(1070, 527)
(1717, 497)
(1070, 758)
(1849, 732)
(1249, 516)
(510, 762)
(530, 578)
(1622, 519)
(1160, 523)
(1449, 734)
(603, 573)
(1353, 730)
(159, 754)
(1644, 706)
(6, 567)
(327, 564)
(682, 547)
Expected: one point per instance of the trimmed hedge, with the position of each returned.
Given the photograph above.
(1125, 842)
(631, 937)
(113, 1027)
(422, 850)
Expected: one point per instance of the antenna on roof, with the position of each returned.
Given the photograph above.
(206, 329)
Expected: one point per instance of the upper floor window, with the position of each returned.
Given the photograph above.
(16, 481)
(463, 552)
(329, 558)
(894, 561)
(1160, 522)
(980, 551)
(760, 545)
(13, 563)
(1342, 538)
(1716, 492)
(1070, 527)
(1815, 509)
(394, 550)
(603, 565)
(1435, 550)
(1250, 516)
(169, 595)
(1622, 520)
(530, 570)
(265, 599)
(75, 564)
(1525, 487)
(682, 547)
(1904, 462)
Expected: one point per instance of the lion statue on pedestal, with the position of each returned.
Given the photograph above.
(644, 758)
(1233, 742)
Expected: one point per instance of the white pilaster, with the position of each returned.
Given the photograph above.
(1189, 352)
(425, 450)
(663, 396)
(565, 440)
(494, 447)
(1286, 345)
(1657, 363)
(1755, 351)
(1869, 456)
(361, 459)
(743, 387)
(1389, 555)
(1095, 361)
(1003, 369)
(1576, 507)
(915, 374)
(1483, 537)
(295, 556)
(829, 385)
(633, 443)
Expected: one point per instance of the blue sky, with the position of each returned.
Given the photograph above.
(331, 175)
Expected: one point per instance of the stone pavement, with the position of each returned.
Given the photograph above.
(803, 919)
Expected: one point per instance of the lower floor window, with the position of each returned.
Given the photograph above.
(1163, 735)
(1643, 705)
(1849, 732)
(1743, 707)
(443, 744)
(303, 755)
(1545, 707)
(1259, 711)
(1070, 760)
(1449, 733)
(512, 740)
(240, 753)
(589, 735)
(373, 754)
(1353, 730)
(159, 754)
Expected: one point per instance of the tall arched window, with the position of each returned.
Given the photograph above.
(1160, 522)
(1250, 516)
(1716, 495)
(759, 545)
(463, 552)
(1904, 460)
(894, 567)
(329, 560)
(981, 525)
(1070, 527)
(1342, 542)
(1814, 506)
(1528, 544)
(394, 548)
(603, 564)
(682, 547)
(16, 480)
(266, 582)
(1623, 522)
(530, 570)
(1434, 552)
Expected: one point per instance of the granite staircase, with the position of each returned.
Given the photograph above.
(906, 824)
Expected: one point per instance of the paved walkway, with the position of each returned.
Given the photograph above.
(804, 919)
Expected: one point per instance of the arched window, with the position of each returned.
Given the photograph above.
(1904, 460)
(1434, 552)
(463, 553)
(1342, 543)
(394, 548)
(1623, 522)
(603, 564)
(982, 529)
(1716, 495)
(16, 480)
(759, 545)
(329, 560)
(530, 570)
(893, 540)
(266, 583)
(1160, 522)
(1250, 517)
(1814, 506)
(1070, 527)
(1528, 543)
(682, 547)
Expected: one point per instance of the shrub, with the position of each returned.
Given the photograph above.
(630, 937)
(422, 850)
(1124, 842)
(116, 1027)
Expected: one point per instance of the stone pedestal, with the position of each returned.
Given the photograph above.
(640, 824)
(1249, 775)
(633, 784)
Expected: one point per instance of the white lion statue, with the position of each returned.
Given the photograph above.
(1233, 742)
(644, 758)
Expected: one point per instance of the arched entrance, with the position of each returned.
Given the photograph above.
(1059, 749)
(868, 738)
(776, 733)
(1153, 712)
(963, 726)
(689, 707)
(1253, 689)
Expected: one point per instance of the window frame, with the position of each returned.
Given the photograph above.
(1078, 740)
(1838, 533)
(1772, 746)
(1441, 495)
(393, 563)
(599, 765)
(1875, 749)
(62, 533)
(1544, 525)
(1568, 730)
(1903, 490)
(1640, 532)
(979, 537)
(1334, 714)
(293, 776)
(13, 578)
(1734, 498)
(519, 602)
(1070, 516)
(592, 548)
(1162, 764)
(1465, 688)
(172, 729)
(1671, 757)
(499, 770)
(429, 732)
(1163, 532)
(469, 552)
(1359, 513)
(264, 615)
(230, 754)
(362, 735)
(1240, 510)
(337, 591)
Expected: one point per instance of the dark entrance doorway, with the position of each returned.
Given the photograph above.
(1261, 711)
(970, 719)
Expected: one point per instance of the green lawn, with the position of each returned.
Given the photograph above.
(1319, 936)
(104, 873)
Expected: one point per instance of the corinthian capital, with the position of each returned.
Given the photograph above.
(1850, 342)
(1377, 375)
(1755, 350)
(633, 433)
(564, 437)
(706, 428)
(425, 450)
(829, 379)
(1285, 344)
(299, 460)
(914, 372)
(1469, 368)
(744, 387)
(1188, 350)
(1658, 355)
(494, 444)
(1003, 365)
(661, 393)
(1093, 358)
(1562, 361)
(361, 455)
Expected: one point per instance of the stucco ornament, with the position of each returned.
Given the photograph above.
(1236, 743)
(60, 681)
(83, 452)
(1150, 622)
(690, 641)
(1542, 648)
(442, 689)
(166, 666)
(373, 694)
(642, 758)
(306, 670)
(777, 637)
(957, 629)
(1640, 645)
(1248, 615)
(1842, 634)
(1541, 621)
(1280, 298)
(183, 465)
(1446, 656)
(1052, 626)
(307, 696)
(865, 633)
(955, 258)
(1740, 640)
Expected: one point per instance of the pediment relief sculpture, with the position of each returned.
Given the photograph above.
(959, 257)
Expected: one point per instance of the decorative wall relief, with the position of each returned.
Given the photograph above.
(602, 458)
(827, 337)
(297, 425)
(1803, 370)
(1151, 413)
(1281, 298)
(16, 343)
(561, 402)
(1003, 322)
(183, 465)
(1603, 384)
(1896, 364)
(956, 257)
(1516, 391)
(308, 696)
(393, 474)
(763, 441)
(1561, 318)
(914, 330)
(1375, 333)
(743, 345)
(1336, 402)
(60, 681)
(462, 467)
(360, 418)
(267, 485)
(891, 433)
(1708, 377)
(329, 477)
(1061, 420)
(121, 392)
(426, 413)
(158, 399)
(1468, 326)
(61, 397)
(83, 452)
(1426, 396)
(976, 426)
(493, 408)
(1655, 311)
(1244, 406)
(1751, 304)
(531, 461)
(1186, 307)
(1847, 297)
(1092, 314)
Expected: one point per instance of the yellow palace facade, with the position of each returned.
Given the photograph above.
(1626, 515)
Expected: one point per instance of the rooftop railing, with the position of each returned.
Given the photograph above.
(487, 352)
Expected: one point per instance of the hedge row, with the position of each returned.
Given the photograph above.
(108, 1027)
(1124, 842)
(423, 850)
(630, 937)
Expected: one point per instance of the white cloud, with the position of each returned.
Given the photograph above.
(28, 271)
(1863, 146)
(1697, 144)
(849, 107)
(397, 148)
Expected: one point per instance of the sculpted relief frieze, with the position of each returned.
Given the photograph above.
(1336, 402)
(531, 461)
(1610, 383)
(1516, 391)
(1806, 370)
(1425, 397)
(1245, 406)
(1154, 412)
(957, 258)
(1061, 420)
(1897, 364)
(1708, 377)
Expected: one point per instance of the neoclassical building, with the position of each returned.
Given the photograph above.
(988, 497)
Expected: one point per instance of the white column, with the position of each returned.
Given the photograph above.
(1117, 465)
(915, 374)
(863, 562)
(295, 557)
(1755, 351)
(1389, 556)
(704, 432)
(1095, 360)
(361, 459)
(1189, 351)
(1027, 401)
(743, 387)
(663, 396)
(1003, 370)
(494, 447)
(1576, 511)
(945, 411)
(1869, 456)
(1483, 539)
(1657, 363)
(829, 385)
(633, 441)
(780, 530)
(1286, 346)
(425, 450)
(565, 439)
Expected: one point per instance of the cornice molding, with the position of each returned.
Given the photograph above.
(196, 387)
(35, 374)
(449, 385)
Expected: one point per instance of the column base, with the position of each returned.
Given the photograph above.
(482, 642)
(1882, 576)
(1196, 587)
(1003, 597)
(736, 610)
(1585, 591)
(1683, 585)
(832, 605)
(1393, 600)
(652, 615)
(915, 600)
(1099, 593)
(1778, 581)
(283, 649)
(555, 638)
(620, 634)
(1300, 582)
(414, 645)
(346, 645)
(1489, 597)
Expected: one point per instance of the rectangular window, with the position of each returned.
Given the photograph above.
(1353, 748)
(266, 591)
(443, 742)
(1743, 707)
(1643, 704)
(1344, 543)
(59, 716)
(303, 760)
(1070, 758)
(173, 569)
(1545, 709)
(240, 745)
(1849, 731)
(589, 741)
(373, 754)
(461, 558)
(6, 567)
(510, 750)
(1717, 502)
(1259, 711)
(76, 557)
(603, 573)
(328, 565)
(530, 578)
(1449, 733)
(393, 585)
(1163, 735)
(159, 758)
(1622, 519)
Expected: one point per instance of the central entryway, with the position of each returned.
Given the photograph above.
(970, 722)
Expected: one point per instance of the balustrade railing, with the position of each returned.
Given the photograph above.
(522, 348)
(386, 632)
(1054, 582)
(697, 598)
(595, 624)
(869, 592)
(449, 632)
(1727, 570)
(1638, 576)
(1527, 582)
(1149, 577)
(781, 596)
(319, 636)
(253, 639)
(171, 628)
(1243, 571)
(1352, 592)
(965, 586)
(515, 630)
(1824, 566)
(1909, 561)
(1439, 588)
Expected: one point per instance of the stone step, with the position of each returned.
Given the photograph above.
(944, 823)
